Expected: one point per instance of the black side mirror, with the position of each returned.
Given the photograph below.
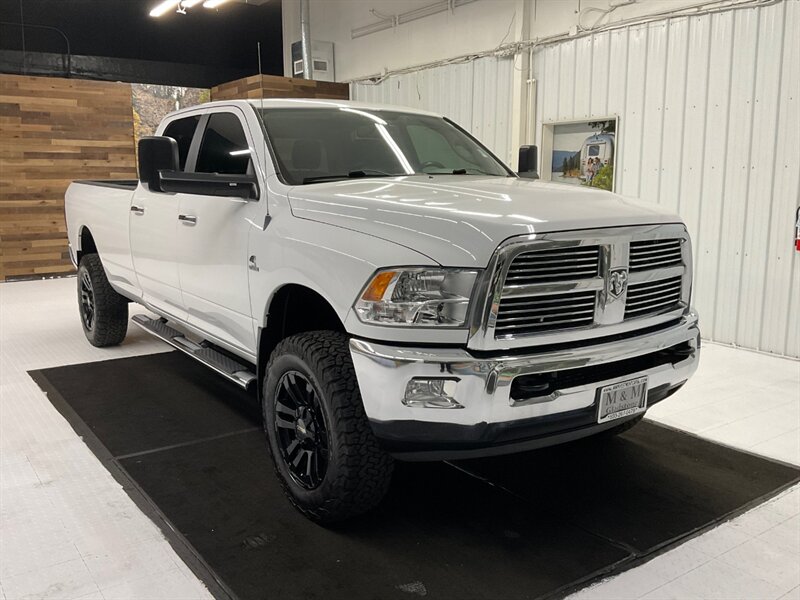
(529, 162)
(156, 153)
(210, 184)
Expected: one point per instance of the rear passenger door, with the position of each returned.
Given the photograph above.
(153, 222)
(213, 234)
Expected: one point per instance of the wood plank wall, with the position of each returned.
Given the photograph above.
(53, 131)
(279, 87)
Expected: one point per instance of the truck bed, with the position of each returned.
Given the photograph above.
(100, 210)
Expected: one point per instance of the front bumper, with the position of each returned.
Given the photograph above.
(496, 415)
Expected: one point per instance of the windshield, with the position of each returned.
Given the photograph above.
(313, 145)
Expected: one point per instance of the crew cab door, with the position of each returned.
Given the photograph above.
(212, 237)
(153, 221)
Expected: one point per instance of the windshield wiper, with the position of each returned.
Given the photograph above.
(351, 175)
(464, 172)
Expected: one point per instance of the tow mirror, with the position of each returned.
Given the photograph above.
(156, 153)
(210, 184)
(528, 162)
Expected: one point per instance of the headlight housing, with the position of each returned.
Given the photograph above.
(417, 297)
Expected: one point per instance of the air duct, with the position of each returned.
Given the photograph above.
(305, 39)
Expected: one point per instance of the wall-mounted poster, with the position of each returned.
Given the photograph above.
(583, 153)
(151, 103)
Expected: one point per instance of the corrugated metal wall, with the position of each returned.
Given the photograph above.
(709, 127)
(476, 95)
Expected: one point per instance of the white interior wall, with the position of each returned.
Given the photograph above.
(709, 127)
(473, 94)
(479, 25)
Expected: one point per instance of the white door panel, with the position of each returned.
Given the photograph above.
(212, 237)
(154, 249)
(214, 275)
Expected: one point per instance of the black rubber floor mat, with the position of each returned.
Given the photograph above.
(188, 448)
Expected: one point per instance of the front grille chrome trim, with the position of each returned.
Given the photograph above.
(611, 248)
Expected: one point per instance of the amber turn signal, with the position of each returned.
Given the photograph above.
(377, 287)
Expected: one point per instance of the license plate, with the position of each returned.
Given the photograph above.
(622, 399)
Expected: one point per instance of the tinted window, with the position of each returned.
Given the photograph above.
(182, 131)
(224, 148)
(594, 150)
(320, 144)
(435, 151)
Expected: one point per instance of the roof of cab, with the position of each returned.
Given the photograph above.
(308, 103)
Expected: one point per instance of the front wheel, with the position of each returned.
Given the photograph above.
(104, 313)
(326, 457)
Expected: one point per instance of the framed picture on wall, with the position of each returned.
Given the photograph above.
(580, 153)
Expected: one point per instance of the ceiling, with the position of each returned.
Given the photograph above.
(224, 37)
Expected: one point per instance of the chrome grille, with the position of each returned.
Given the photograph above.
(653, 296)
(554, 264)
(646, 255)
(520, 316)
(574, 286)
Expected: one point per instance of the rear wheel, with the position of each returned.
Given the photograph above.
(104, 313)
(326, 457)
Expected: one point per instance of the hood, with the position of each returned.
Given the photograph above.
(459, 220)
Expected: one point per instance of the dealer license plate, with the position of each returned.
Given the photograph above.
(622, 399)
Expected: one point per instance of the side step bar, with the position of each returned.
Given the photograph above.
(238, 373)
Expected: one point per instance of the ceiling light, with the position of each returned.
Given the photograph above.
(165, 6)
(213, 3)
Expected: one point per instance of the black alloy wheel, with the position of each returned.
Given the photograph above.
(87, 301)
(301, 431)
(327, 459)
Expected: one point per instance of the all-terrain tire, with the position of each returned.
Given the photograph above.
(106, 323)
(358, 470)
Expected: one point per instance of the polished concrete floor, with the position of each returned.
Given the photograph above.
(70, 531)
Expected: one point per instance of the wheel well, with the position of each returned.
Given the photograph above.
(87, 245)
(294, 309)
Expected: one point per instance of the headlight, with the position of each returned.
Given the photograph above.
(423, 297)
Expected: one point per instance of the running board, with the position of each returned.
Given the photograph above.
(237, 372)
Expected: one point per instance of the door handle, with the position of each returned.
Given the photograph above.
(137, 210)
(252, 264)
(188, 219)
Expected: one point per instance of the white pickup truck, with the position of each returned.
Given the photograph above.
(387, 286)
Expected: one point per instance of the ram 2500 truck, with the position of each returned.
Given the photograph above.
(386, 286)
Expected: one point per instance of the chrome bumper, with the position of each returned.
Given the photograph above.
(484, 384)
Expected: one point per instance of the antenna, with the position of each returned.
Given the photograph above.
(260, 74)
(261, 115)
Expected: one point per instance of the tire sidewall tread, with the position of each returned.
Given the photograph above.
(111, 309)
(359, 470)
